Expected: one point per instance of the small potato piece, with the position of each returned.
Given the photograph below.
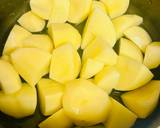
(120, 117)
(50, 96)
(152, 55)
(85, 103)
(98, 4)
(144, 100)
(124, 22)
(139, 36)
(31, 22)
(62, 33)
(57, 120)
(6, 58)
(79, 10)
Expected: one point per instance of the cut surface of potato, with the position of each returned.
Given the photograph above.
(50, 96)
(15, 39)
(57, 120)
(65, 64)
(99, 50)
(79, 98)
(40, 41)
(20, 104)
(124, 22)
(31, 22)
(42, 8)
(116, 8)
(152, 55)
(62, 33)
(90, 68)
(79, 10)
(98, 25)
(120, 117)
(139, 36)
(133, 74)
(10, 81)
(144, 100)
(128, 48)
(98, 4)
(107, 78)
(31, 63)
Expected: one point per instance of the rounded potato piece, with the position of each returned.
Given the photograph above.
(98, 4)
(85, 103)
(10, 81)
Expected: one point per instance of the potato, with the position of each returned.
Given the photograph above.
(20, 104)
(98, 4)
(116, 8)
(31, 22)
(10, 81)
(152, 55)
(120, 117)
(57, 120)
(143, 101)
(60, 11)
(41, 41)
(85, 103)
(128, 48)
(133, 74)
(62, 33)
(124, 22)
(65, 64)
(102, 28)
(139, 36)
(41, 8)
(50, 96)
(15, 39)
(100, 51)
(6, 58)
(31, 64)
(79, 10)
(90, 68)
(107, 78)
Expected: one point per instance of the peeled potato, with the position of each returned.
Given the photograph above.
(85, 103)
(144, 100)
(124, 22)
(31, 63)
(139, 36)
(62, 33)
(50, 96)
(152, 55)
(6, 58)
(79, 10)
(98, 4)
(128, 48)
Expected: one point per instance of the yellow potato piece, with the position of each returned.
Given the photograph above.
(57, 120)
(40, 41)
(85, 103)
(6, 58)
(124, 22)
(99, 50)
(65, 64)
(62, 33)
(139, 36)
(20, 104)
(31, 64)
(15, 39)
(116, 8)
(60, 11)
(79, 10)
(31, 22)
(120, 117)
(98, 5)
(107, 78)
(42, 8)
(128, 48)
(10, 81)
(152, 55)
(50, 96)
(90, 68)
(144, 100)
(98, 25)
(133, 74)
